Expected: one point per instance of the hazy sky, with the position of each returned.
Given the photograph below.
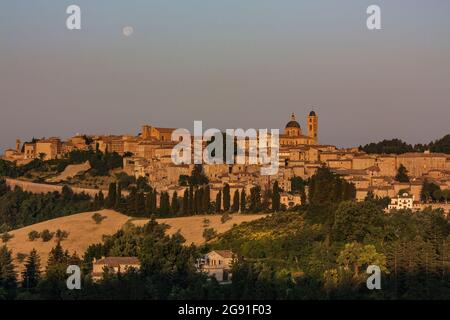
(230, 63)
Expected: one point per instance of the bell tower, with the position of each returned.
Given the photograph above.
(313, 126)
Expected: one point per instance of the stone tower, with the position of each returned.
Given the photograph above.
(313, 126)
(18, 145)
(146, 132)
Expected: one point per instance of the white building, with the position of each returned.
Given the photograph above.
(404, 201)
(217, 264)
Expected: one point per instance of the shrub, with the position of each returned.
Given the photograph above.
(33, 235)
(46, 235)
(21, 256)
(6, 237)
(209, 233)
(61, 235)
(98, 218)
(225, 217)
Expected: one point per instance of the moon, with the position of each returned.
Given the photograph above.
(127, 31)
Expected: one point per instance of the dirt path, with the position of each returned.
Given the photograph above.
(45, 188)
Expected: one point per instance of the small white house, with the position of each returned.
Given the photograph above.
(404, 201)
(217, 264)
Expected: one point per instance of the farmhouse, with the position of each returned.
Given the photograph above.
(218, 264)
(113, 265)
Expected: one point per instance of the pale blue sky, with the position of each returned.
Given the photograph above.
(230, 63)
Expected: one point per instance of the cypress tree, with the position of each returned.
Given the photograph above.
(175, 203)
(276, 197)
(226, 197)
(255, 199)
(112, 195)
(154, 201)
(206, 201)
(185, 209)
(199, 200)
(56, 256)
(101, 199)
(95, 205)
(148, 203)
(219, 202)
(8, 277)
(118, 197)
(140, 204)
(235, 206)
(243, 201)
(191, 199)
(164, 207)
(32, 273)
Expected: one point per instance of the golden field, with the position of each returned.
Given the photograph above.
(83, 231)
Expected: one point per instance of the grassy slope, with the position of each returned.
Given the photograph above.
(83, 231)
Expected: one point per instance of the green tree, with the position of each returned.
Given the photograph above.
(446, 195)
(32, 272)
(101, 199)
(186, 202)
(209, 233)
(437, 195)
(164, 207)
(191, 199)
(33, 235)
(428, 190)
(175, 203)
(57, 256)
(235, 206)
(118, 202)
(206, 203)
(98, 218)
(243, 201)
(148, 203)
(255, 199)
(46, 235)
(226, 197)
(111, 200)
(219, 202)
(8, 277)
(276, 197)
(6, 237)
(358, 221)
(402, 174)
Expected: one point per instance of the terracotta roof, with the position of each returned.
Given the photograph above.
(116, 261)
(224, 253)
(165, 130)
(422, 155)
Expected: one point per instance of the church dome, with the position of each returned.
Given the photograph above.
(293, 123)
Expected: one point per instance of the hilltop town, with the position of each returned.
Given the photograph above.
(300, 155)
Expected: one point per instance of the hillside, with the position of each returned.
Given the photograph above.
(71, 171)
(83, 231)
(191, 228)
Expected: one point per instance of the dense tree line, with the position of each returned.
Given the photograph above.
(101, 163)
(318, 252)
(167, 270)
(297, 258)
(397, 146)
(19, 208)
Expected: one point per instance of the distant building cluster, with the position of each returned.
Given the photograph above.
(300, 155)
